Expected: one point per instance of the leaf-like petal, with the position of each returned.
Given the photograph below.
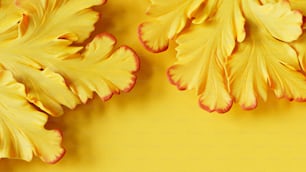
(46, 89)
(263, 62)
(57, 18)
(46, 31)
(207, 38)
(37, 48)
(207, 10)
(202, 55)
(279, 19)
(170, 19)
(102, 69)
(22, 131)
(9, 15)
(295, 4)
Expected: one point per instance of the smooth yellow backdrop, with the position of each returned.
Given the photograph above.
(157, 128)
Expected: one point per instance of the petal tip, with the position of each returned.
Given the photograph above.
(136, 57)
(131, 85)
(136, 69)
(145, 43)
(58, 158)
(300, 99)
(249, 107)
(62, 152)
(108, 97)
(173, 82)
(218, 110)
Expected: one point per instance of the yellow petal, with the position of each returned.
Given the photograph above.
(46, 31)
(46, 89)
(170, 19)
(37, 49)
(299, 5)
(102, 69)
(70, 19)
(207, 10)
(202, 55)
(22, 131)
(9, 15)
(263, 62)
(213, 7)
(300, 46)
(278, 19)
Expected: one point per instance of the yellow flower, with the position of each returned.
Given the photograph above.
(230, 51)
(44, 67)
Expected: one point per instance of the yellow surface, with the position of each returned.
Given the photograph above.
(157, 128)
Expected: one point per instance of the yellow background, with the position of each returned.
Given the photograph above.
(156, 128)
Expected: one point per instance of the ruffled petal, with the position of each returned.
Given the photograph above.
(46, 89)
(299, 5)
(278, 19)
(101, 69)
(209, 60)
(47, 63)
(57, 18)
(202, 59)
(46, 31)
(22, 131)
(44, 71)
(263, 62)
(170, 19)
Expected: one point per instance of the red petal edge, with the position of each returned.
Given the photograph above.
(173, 82)
(137, 62)
(221, 111)
(61, 155)
(145, 43)
(184, 87)
(244, 107)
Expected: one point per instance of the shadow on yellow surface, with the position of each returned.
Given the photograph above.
(156, 128)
